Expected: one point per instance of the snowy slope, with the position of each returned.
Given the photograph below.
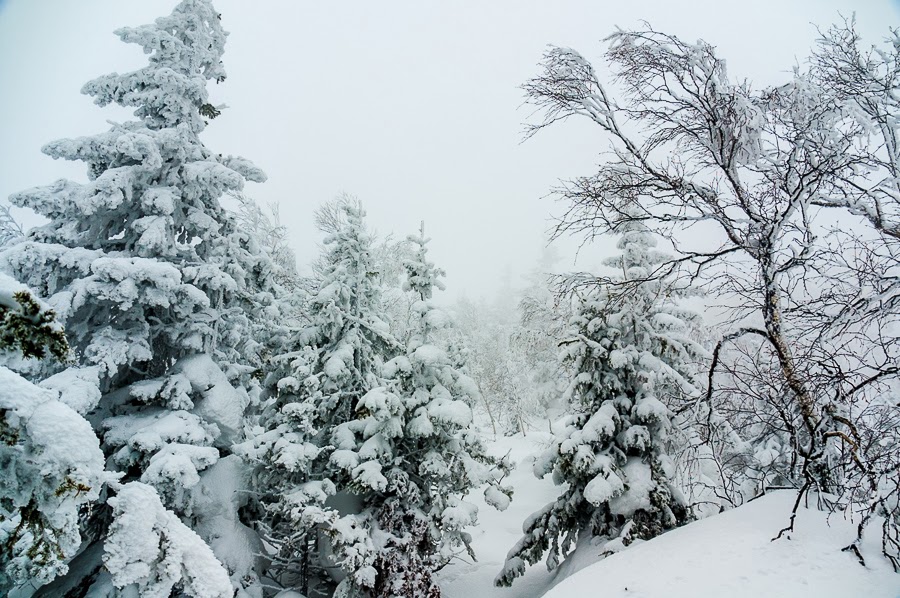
(728, 555)
(496, 532)
(733, 555)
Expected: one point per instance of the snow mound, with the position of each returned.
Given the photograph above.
(733, 555)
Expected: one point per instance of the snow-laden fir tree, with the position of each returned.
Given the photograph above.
(365, 460)
(53, 467)
(315, 386)
(351, 338)
(151, 278)
(412, 454)
(288, 454)
(630, 351)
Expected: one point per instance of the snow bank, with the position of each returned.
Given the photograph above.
(498, 531)
(728, 555)
(733, 555)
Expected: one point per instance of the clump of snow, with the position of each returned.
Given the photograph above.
(9, 286)
(420, 426)
(651, 409)
(336, 365)
(220, 404)
(437, 319)
(467, 387)
(369, 475)
(452, 412)
(153, 429)
(397, 365)
(218, 498)
(459, 514)
(429, 355)
(150, 549)
(497, 499)
(637, 495)
(295, 455)
(604, 486)
(344, 459)
(175, 469)
(79, 388)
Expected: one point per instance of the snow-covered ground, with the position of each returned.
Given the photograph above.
(498, 531)
(731, 554)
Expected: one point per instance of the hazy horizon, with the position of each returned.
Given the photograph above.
(412, 107)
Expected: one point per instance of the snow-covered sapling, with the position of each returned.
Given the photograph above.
(630, 352)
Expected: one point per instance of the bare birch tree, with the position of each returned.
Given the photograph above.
(749, 187)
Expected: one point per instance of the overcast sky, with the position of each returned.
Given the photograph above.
(412, 106)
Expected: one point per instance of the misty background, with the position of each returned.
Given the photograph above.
(413, 107)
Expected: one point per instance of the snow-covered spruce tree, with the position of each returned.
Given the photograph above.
(53, 466)
(50, 459)
(629, 351)
(348, 332)
(412, 454)
(288, 452)
(149, 274)
(313, 388)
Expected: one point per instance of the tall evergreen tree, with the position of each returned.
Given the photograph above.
(151, 276)
(314, 387)
(349, 333)
(368, 448)
(411, 453)
(630, 351)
